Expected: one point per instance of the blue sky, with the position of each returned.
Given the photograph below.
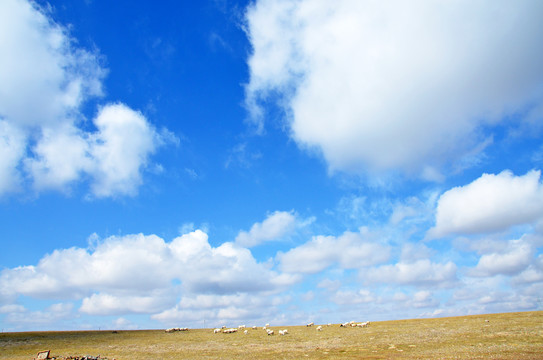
(251, 162)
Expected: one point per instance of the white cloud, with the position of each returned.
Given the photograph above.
(220, 309)
(418, 273)
(47, 319)
(124, 324)
(137, 273)
(382, 85)
(121, 149)
(60, 158)
(489, 204)
(114, 156)
(423, 299)
(417, 300)
(46, 78)
(413, 252)
(12, 148)
(276, 226)
(533, 274)
(515, 258)
(108, 304)
(349, 297)
(225, 269)
(350, 250)
(329, 285)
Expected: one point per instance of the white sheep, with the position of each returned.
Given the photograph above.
(267, 325)
(310, 324)
(216, 331)
(285, 332)
(254, 327)
(319, 328)
(269, 331)
(241, 327)
(246, 332)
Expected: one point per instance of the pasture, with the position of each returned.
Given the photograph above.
(495, 336)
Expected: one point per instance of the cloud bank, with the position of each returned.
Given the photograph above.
(276, 225)
(490, 203)
(393, 85)
(44, 141)
(135, 274)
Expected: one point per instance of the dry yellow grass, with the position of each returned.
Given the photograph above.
(496, 336)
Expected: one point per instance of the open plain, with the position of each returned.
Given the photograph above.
(492, 336)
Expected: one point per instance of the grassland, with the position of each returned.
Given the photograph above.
(495, 336)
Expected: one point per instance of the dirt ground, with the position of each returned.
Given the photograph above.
(493, 336)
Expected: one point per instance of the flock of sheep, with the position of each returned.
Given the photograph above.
(170, 330)
(224, 330)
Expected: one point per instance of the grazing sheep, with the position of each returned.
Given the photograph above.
(285, 332)
(267, 325)
(281, 332)
(241, 327)
(344, 325)
(223, 327)
(254, 327)
(269, 331)
(310, 324)
(319, 328)
(216, 331)
(170, 330)
(265, 328)
(246, 332)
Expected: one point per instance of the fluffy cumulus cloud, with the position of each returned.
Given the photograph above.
(490, 203)
(418, 273)
(46, 78)
(349, 250)
(142, 274)
(121, 148)
(110, 304)
(349, 297)
(516, 257)
(274, 227)
(222, 309)
(394, 85)
(47, 317)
